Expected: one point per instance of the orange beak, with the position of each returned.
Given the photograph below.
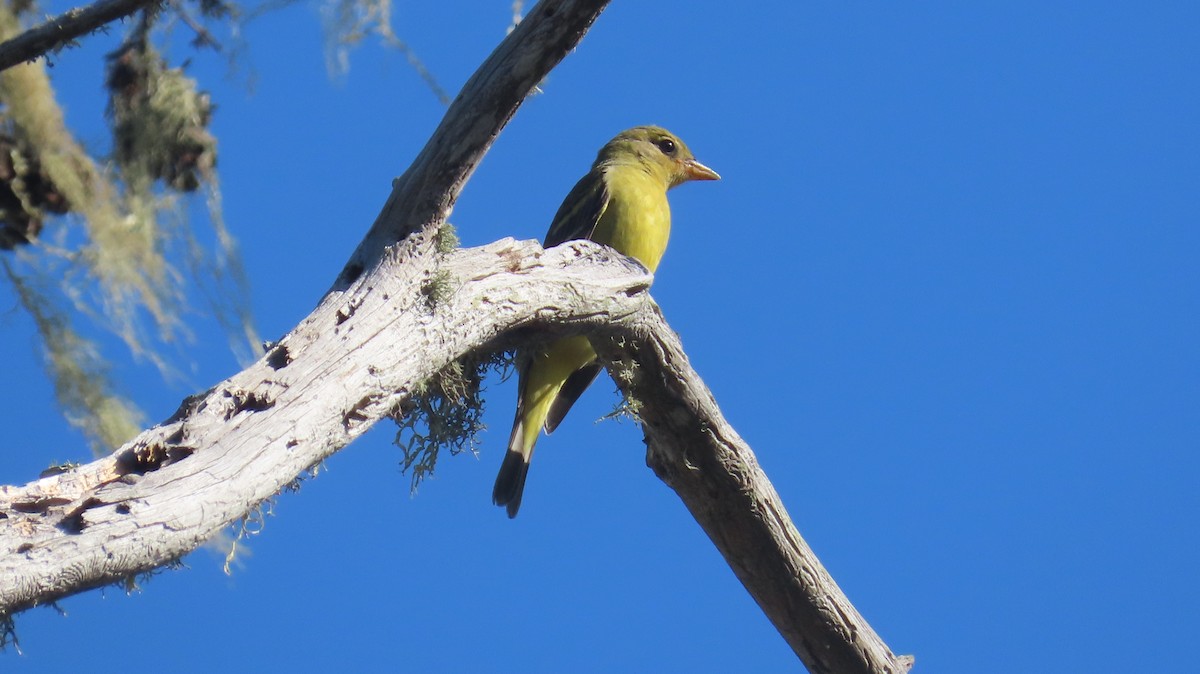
(694, 170)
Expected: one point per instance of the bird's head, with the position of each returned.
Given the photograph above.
(659, 152)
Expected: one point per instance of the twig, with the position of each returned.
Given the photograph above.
(392, 40)
(203, 37)
(62, 29)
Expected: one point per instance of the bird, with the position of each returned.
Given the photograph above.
(622, 203)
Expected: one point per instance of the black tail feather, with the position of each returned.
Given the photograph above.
(510, 482)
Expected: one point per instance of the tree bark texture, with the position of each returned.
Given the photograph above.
(692, 448)
(375, 338)
(350, 363)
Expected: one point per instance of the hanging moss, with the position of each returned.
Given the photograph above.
(160, 120)
(446, 411)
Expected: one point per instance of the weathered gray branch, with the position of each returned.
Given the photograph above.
(374, 338)
(430, 187)
(65, 27)
(692, 448)
(354, 361)
(350, 363)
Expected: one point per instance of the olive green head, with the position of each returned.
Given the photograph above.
(658, 152)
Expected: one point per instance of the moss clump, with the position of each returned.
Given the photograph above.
(446, 411)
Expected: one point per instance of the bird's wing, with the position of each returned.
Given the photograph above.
(580, 211)
(576, 219)
(571, 389)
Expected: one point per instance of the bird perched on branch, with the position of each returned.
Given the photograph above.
(622, 203)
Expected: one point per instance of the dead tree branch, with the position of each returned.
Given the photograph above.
(372, 341)
(350, 363)
(691, 447)
(429, 188)
(64, 28)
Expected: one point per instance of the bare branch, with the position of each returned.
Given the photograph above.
(375, 337)
(429, 188)
(350, 363)
(65, 27)
(419, 201)
(356, 359)
(692, 448)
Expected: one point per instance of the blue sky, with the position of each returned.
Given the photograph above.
(947, 290)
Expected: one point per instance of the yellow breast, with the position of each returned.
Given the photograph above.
(637, 221)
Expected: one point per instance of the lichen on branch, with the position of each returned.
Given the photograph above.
(446, 412)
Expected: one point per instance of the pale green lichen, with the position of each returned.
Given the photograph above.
(80, 375)
(438, 288)
(446, 411)
(446, 240)
(627, 408)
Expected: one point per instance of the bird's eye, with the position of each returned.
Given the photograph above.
(667, 146)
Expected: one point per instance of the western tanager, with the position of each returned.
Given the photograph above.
(621, 202)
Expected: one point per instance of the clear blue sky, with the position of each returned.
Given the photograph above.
(948, 290)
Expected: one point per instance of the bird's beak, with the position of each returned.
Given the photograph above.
(694, 170)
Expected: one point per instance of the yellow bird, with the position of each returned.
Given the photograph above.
(621, 202)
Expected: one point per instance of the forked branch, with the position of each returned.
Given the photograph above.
(370, 344)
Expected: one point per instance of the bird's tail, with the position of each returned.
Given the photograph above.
(510, 482)
(542, 378)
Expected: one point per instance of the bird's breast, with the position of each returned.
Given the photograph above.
(637, 221)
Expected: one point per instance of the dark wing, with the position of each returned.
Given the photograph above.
(571, 389)
(580, 211)
(576, 219)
